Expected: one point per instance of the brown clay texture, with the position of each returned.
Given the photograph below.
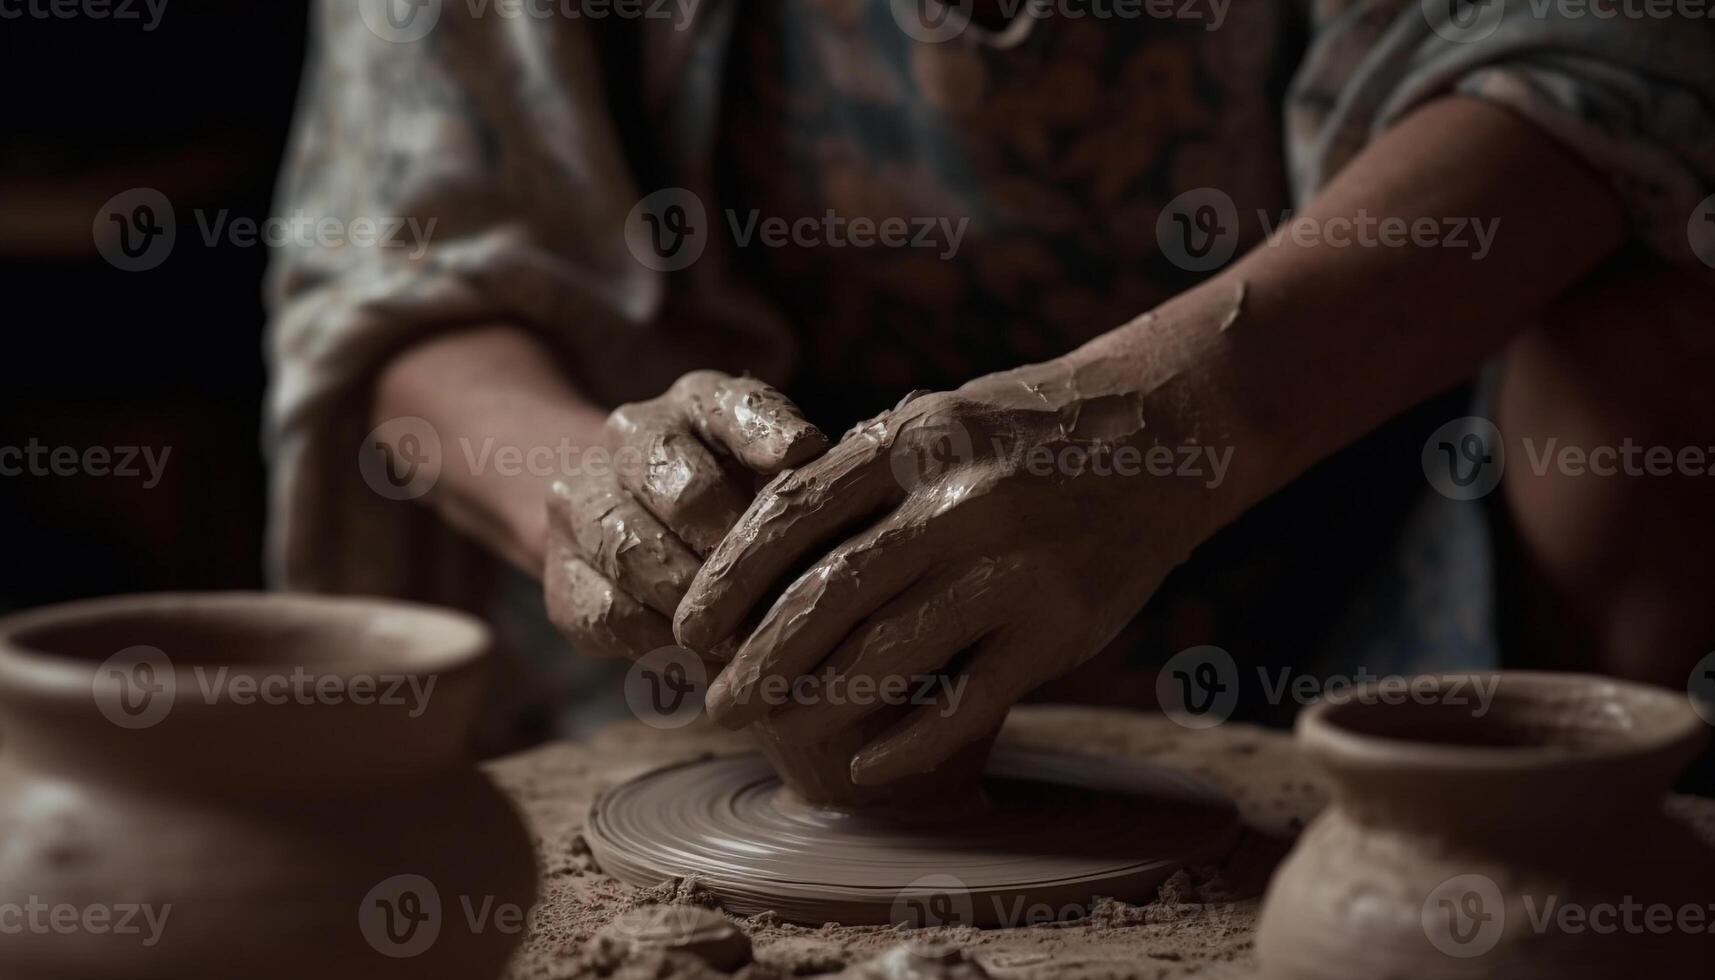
(1052, 831)
(1199, 923)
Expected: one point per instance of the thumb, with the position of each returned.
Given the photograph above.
(754, 421)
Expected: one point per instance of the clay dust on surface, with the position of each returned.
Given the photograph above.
(1200, 924)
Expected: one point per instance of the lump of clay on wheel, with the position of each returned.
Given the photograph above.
(920, 961)
(700, 932)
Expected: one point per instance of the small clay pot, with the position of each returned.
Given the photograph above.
(1457, 837)
(820, 772)
(243, 767)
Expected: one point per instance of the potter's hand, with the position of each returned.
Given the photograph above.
(624, 545)
(972, 520)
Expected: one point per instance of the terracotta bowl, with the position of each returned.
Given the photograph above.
(278, 770)
(1458, 816)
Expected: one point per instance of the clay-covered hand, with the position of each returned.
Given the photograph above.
(625, 541)
(976, 533)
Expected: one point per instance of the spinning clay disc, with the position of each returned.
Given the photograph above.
(1051, 832)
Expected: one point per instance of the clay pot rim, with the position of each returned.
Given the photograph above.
(1678, 734)
(443, 641)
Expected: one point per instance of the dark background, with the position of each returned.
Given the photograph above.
(197, 108)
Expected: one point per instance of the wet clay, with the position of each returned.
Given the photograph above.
(1199, 924)
(624, 542)
(1457, 834)
(982, 534)
(1050, 830)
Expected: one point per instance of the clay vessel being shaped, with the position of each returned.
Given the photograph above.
(1518, 834)
(819, 772)
(248, 785)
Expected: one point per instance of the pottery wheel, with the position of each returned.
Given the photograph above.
(1054, 831)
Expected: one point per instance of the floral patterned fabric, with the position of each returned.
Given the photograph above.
(1054, 143)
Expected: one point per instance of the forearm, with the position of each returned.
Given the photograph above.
(492, 394)
(1305, 344)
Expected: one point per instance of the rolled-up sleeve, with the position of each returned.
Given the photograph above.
(467, 177)
(1628, 85)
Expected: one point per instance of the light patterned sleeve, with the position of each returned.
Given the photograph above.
(468, 176)
(1633, 95)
